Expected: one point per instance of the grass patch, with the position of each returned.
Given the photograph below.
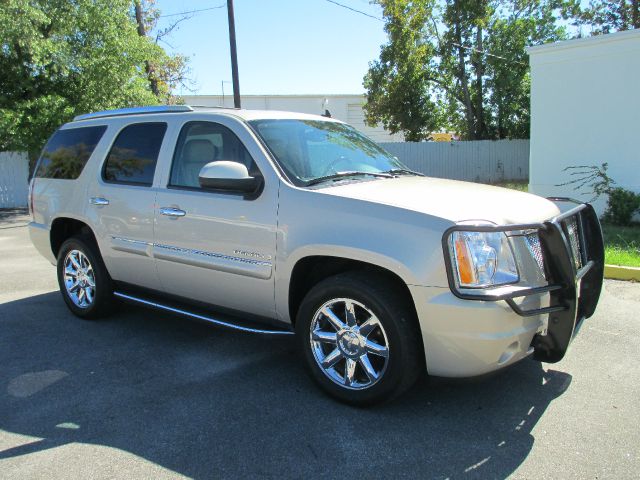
(521, 186)
(622, 245)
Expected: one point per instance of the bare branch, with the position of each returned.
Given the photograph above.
(167, 30)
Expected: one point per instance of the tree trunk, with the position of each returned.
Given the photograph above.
(153, 82)
(635, 13)
(500, 132)
(481, 127)
(462, 78)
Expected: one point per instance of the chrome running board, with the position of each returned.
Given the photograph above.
(221, 323)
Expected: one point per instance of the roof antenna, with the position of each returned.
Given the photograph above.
(325, 103)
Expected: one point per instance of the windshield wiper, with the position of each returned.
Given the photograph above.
(338, 175)
(399, 171)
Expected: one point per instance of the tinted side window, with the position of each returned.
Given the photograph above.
(134, 154)
(67, 152)
(201, 143)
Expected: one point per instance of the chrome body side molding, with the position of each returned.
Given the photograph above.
(128, 245)
(215, 261)
(250, 267)
(197, 316)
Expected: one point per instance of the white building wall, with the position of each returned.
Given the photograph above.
(14, 173)
(347, 108)
(585, 110)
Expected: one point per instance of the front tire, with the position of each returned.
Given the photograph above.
(84, 282)
(360, 338)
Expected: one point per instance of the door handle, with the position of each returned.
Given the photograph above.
(172, 212)
(98, 201)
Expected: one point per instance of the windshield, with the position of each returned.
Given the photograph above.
(311, 149)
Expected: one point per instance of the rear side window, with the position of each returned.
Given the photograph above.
(67, 152)
(134, 154)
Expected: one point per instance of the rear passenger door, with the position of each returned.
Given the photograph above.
(212, 246)
(121, 203)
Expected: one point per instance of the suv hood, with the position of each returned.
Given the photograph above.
(450, 199)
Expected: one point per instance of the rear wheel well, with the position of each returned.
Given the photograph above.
(310, 271)
(64, 228)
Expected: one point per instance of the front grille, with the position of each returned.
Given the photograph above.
(573, 235)
(533, 244)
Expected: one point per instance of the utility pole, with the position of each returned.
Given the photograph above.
(234, 55)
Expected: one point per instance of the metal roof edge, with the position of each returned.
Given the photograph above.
(584, 42)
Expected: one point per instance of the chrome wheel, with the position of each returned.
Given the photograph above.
(349, 343)
(79, 279)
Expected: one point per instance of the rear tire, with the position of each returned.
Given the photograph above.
(360, 338)
(85, 284)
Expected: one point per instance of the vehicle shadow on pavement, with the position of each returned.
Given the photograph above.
(206, 402)
(13, 217)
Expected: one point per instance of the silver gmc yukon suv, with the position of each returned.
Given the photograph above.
(281, 223)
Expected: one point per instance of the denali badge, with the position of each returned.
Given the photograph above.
(259, 256)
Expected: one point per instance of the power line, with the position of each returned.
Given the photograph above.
(193, 11)
(355, 10)
(416, 31)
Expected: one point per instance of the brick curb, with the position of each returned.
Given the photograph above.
(617, 272)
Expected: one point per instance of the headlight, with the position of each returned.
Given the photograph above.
(482, 259)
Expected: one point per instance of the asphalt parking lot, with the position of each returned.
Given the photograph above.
(150, 395)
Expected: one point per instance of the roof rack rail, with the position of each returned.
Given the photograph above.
(135, 111)
(220, 107)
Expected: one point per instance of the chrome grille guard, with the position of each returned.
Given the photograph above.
(573, 258)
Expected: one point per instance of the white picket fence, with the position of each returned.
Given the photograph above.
(14, 174)
(484, 161)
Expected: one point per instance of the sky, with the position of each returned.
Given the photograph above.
(284, 46)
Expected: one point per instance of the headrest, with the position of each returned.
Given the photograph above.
(199, 151)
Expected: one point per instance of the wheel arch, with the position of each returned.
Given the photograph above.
(63, 228)
(310, 270)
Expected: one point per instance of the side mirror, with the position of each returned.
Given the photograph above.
(228, 176)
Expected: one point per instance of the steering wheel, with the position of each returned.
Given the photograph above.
(333, 165)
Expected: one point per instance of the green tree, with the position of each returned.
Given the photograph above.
(164, 72)
(514, 26)
(460, 64)
(400, 84)
(607, 16)
(61, 58)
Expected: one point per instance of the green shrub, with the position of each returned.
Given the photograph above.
(621, 206)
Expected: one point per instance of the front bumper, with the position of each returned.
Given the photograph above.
(466, 339)
(493, 330)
